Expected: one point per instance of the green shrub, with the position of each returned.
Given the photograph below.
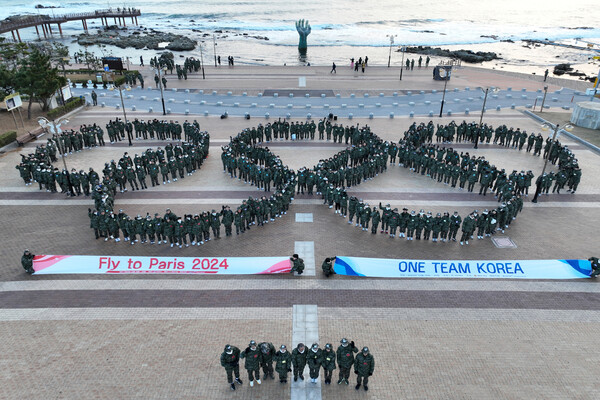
(7, 138)
(69, 106)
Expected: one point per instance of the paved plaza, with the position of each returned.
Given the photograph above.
(160, 336)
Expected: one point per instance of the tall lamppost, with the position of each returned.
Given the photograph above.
(117, 84)
(495, 90)
(391, 44)
(215, 48)
(160, 72)
(202, 58)
(546, 126)
(444, 73)
(403, 50)
(544, 99)
(54, 128)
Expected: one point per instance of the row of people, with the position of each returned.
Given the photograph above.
(177, 230)
(569, 172)
(263, 355)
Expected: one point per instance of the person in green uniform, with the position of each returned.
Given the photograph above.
(345, 359)
(27, 262)
(314, 359)
(252, 358)
(267, 352)
(297, 264)
(468, 226)
(455, 221)
(328, 266)
(299, 361)
(363, 368)
(328, 362)
(230, 360)
(595, 266)
(283, 365)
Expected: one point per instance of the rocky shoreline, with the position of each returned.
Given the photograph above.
(463, 55)
(138, 39)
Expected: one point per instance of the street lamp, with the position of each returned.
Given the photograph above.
(54, 128)
(403, 50)
(391, 44)
(118, 86)
(546, 126)
(160, 72)
(444, 73)
(495, 90)
(544, 99)
(215, 48)
(202, 58)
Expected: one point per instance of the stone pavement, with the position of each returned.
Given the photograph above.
(159, 337)
(384, 95)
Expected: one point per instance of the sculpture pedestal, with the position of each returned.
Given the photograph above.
(586, 115)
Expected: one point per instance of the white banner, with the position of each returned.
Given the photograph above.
(53, 264)
(514, 269)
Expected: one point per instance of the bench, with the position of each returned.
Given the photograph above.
(29, 136)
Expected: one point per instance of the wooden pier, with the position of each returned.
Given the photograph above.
(45, 22)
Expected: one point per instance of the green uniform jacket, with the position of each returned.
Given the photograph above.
(364, 365)
(268, 356)
(27, 261)
(298, 265)
(283, 362)
(327, 267)
(345, 356)
(252, 357)
(299, 359)
(314, 359)
(328, 360)
(230, 361)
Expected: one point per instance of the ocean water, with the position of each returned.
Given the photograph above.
(351, 28)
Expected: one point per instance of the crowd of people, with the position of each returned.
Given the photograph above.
(370, 155)
(263, 355)
(246, 158)
(568, 174)
(191, 229)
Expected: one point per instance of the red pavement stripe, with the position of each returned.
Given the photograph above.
(287, 298)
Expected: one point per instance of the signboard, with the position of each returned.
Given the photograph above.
(114, 63)
(66, 92)
(506, 269)
(56, 264)
(13, 101)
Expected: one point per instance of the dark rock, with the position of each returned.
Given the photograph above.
(138, 40)
(464, 55)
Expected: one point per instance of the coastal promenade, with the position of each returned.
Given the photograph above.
(297, 92)
(160, 337)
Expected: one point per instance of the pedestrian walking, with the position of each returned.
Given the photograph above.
(333, 69)
(94, 98)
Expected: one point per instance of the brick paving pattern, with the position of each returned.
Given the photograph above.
(159, 337)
